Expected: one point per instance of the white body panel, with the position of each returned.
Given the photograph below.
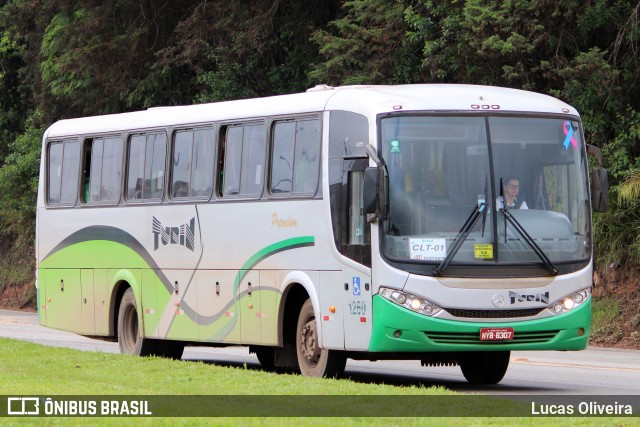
(228, 234)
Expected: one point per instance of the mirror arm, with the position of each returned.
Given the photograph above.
(371, 152)
(595, 151)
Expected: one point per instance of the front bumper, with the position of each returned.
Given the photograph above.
(397, 329)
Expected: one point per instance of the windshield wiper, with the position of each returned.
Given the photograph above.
(461, 237)
(551, 268)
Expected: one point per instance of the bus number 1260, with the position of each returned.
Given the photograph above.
(357, 308)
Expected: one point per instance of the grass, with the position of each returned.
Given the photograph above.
(605, 321)
(29, 369)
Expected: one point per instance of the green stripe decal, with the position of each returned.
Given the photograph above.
(283, 245)
(108, 248)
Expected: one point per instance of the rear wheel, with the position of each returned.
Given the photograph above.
(315, 361)
(486, 367)
(266, 357)
(130, 337)
(168, 349)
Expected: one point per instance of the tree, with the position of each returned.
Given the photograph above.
(67, 58)
(241, 49)
(630, 189)
(367, 46)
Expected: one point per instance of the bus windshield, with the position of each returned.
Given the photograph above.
(444, 171)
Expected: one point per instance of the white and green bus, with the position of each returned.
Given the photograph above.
(362, 222)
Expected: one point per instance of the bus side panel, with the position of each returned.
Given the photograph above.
(218, 310)
(65, 291)
(63, 295)
(42, 297)
(88, 302)
(331, 295)
(178, 320)
(101, 292)
(250, 307)
(274, 239)
(150, 308)
(269, 300)
(357, 307)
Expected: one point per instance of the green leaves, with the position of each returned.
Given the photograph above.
(368, 45)
(18, 190)
(66, 59)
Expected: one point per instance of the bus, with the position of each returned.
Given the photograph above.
(356, 222)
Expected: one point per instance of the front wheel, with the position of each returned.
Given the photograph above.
(486, 367)
(315, 361)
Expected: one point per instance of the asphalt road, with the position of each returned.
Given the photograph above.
(595, 371)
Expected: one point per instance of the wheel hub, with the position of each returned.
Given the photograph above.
(309, 346)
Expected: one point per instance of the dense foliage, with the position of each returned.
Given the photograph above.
(66, 58)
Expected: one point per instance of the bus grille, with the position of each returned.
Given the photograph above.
(494, 314)
(474, 338)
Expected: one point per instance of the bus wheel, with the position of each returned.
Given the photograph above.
(315, 361)
(485, 367)
(129, 335)
(167, 348)
(266, 357)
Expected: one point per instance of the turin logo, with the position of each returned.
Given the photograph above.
(182, 235)
(515, 297)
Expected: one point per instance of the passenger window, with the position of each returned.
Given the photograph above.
(70, 166)
(63, 164)
(232, 161)
(192, 163)
(242, 157)
(145, 170)
(307, 156)
(295, 159)
(92, 170)
(180, 186)
(282, 157)
(55, 172)
(202, 165)
(253, 153)
(111, 181)
(136, 167)
(102, 170)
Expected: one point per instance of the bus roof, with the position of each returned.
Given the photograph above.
(365, 100)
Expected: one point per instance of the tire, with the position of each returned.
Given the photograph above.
(315, 361)
(167, 348)
(130, 338)
(485, 367)
(266, 357)
(129, 334)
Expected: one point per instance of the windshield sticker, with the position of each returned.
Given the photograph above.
(569, 138)
(395, 146)
(428, 249)
(483, 251)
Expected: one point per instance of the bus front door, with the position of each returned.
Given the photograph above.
(356, 271)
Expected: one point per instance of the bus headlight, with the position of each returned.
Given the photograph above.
(409, 301)
(571, 302)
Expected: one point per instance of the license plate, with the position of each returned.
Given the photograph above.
(496, 334)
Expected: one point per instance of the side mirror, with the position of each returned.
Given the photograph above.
(371, 185)
(599, 189)
(374, 194)
(599, 182)
(375, 184)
